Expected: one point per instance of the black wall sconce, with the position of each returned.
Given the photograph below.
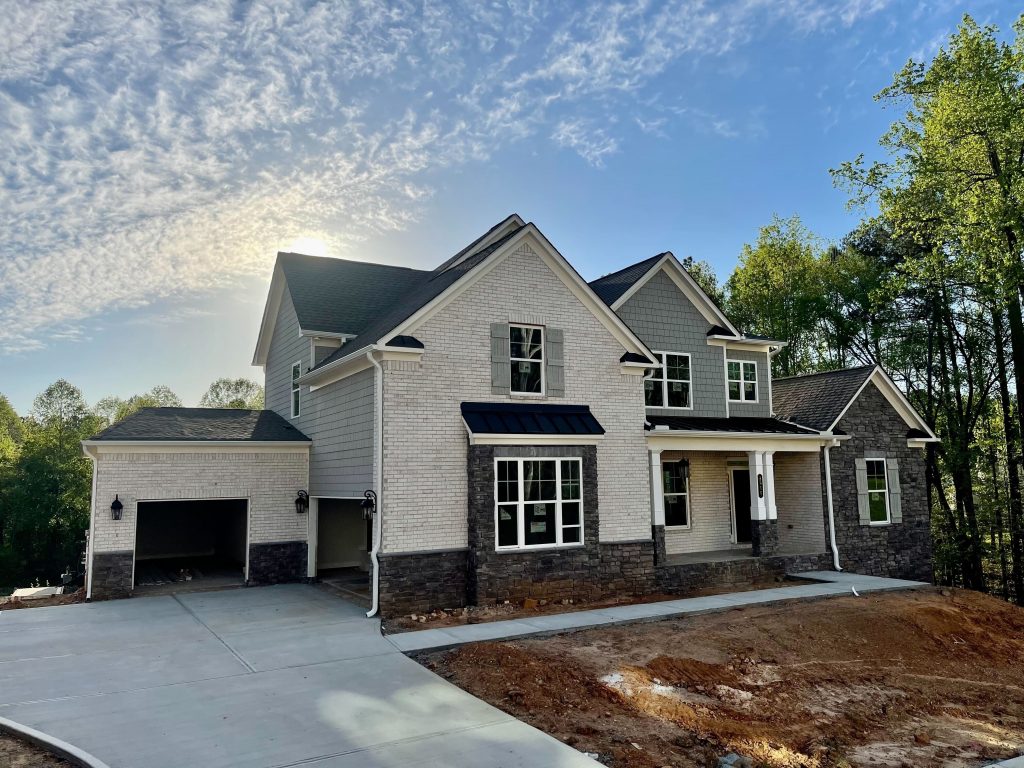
(368, 504)
(302, 503)
(116, 508)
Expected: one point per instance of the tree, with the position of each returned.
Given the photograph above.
(704, 275)
(776, 290)
(11, 432)
(114, 409)
(233, 393)
(44, 508)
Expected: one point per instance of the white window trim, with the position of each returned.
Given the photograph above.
(296, 403)
(664, 381)
(884, 492)
(686, 493)
(521, 503)
(741, 382)
(543, 361)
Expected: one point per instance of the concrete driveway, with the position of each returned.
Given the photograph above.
(271, 676)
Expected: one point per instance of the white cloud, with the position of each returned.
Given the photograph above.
(159, 150)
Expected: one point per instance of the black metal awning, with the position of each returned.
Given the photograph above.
(530, 419)
(744, 424)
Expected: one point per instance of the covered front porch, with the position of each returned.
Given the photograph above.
(721, 498)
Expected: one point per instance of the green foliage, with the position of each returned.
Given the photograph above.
(704, 275)
(44, 499)
(114, 409)
(776, 290)
(233, 393)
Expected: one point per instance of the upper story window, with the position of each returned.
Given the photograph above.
(670, 386)
(878, 491)
(526, 357)
(742, 379)
(539, 503)
(296, 372)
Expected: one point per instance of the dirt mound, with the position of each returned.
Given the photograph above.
(924, 678)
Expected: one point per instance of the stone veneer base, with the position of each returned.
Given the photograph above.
(417, 582)
(277, 562)
(680, 579)
(112, 574)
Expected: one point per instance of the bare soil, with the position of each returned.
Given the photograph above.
(19, 754)
(481, 614)
(923, 678)
(9, 604)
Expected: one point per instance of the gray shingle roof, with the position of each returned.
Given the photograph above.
(341, 296)
(429, 286)
(202, 424)
(816, 400)
(610, 287)
(732, 424)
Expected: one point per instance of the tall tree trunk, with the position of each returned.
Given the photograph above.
(1012, 432)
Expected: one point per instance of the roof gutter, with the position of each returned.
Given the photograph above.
(200, 443)
(312, 377)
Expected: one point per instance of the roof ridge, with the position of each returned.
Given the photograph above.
(776, 379)
(628, 266)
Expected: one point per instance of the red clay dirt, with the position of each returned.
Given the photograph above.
(18, 754)
(923, 678)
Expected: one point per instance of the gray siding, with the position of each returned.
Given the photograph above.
(761, 407)
(661, 315)
(338, 418)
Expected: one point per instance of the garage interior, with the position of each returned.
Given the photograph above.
(343, 547)
(190, 544)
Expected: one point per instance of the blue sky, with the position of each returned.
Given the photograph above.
(154, 157)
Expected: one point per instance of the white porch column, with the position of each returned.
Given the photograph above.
(657, 490)
(762, 485)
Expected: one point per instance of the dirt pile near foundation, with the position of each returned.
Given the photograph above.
(923, 678)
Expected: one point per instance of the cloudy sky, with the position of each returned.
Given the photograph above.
(155, 156)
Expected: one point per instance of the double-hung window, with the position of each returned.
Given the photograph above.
(296, 372)
(669, 387)
(539, 503)
(677, 494)
(526, 356)
(878, 491)
(741, 376)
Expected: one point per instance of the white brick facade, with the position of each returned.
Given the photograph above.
(798, 498)
(425, 494)
(269, 480)
(710, 505)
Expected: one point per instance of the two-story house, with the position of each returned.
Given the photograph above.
(496, 429)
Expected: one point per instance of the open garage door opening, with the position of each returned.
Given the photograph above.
(343, 547)
(190, 544)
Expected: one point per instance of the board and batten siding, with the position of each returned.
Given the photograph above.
(667, 321)
(425, 498)
(338, 418)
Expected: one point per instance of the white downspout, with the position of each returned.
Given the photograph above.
(90, 545)
(378, 481)
(831, 512)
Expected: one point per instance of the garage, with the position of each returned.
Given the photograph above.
(343, 546)
(199, 543)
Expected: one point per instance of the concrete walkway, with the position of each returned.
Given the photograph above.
(826, 584)
(272, 677)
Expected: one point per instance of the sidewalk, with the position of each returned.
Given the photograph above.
(829, 584)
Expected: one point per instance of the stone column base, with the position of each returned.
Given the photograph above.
(658, 534)
(112, 574)
(764, 537)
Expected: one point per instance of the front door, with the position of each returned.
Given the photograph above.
(741, 504)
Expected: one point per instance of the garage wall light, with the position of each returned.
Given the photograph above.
(116, 508)
(302, 503)
(368, 504)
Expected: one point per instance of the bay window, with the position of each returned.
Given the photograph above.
(539, 503)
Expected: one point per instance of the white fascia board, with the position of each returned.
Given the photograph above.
(685, 283)
(735, 441)
(638, 369)
(97, 447)
(745, 343)
(326, 335)
(561, 268)
(896, 399)
(270, 312)
(339, 369)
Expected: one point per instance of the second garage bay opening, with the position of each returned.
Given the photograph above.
(191, 544)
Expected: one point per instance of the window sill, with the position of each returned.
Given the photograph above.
(527, 395)
(880, 524)
(677, 528)
(669, 407)
(744, 402)
(536, 548)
